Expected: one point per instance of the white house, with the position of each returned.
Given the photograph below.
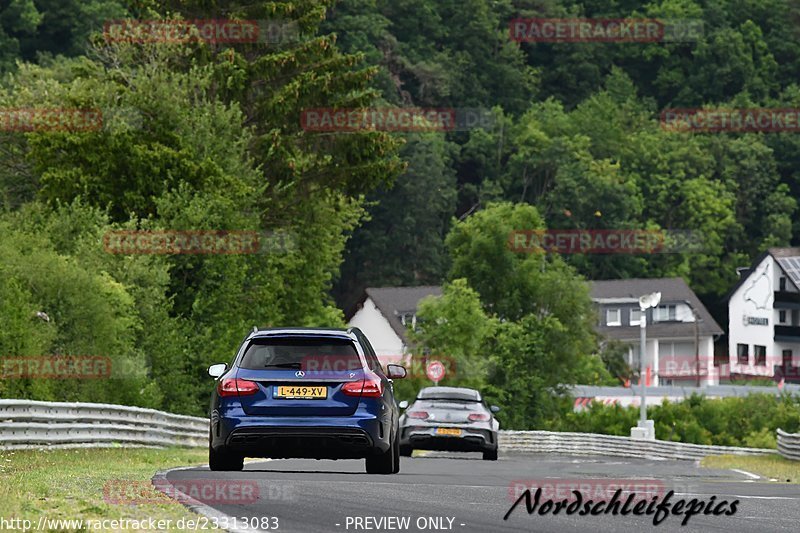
(680, 331)
(384, 313)
(764, 317)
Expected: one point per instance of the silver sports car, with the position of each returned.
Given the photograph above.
(449, 418)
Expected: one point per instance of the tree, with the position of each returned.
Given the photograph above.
(402, 242)
(33, 28)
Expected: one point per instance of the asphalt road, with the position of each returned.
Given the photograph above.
(462, 493)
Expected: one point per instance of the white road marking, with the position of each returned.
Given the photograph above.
(159, 480)
(746, 473)
(739, 496)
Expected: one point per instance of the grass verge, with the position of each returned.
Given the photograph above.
(768, 466)
(87, 484)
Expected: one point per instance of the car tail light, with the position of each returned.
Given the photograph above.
(236, 386)
(417, 414)
(478, 417)
(371, 387)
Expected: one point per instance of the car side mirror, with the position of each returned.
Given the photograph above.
(403, 405)
(494, 409)
(395, 372)
(217, 370)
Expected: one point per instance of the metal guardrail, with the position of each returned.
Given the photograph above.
(34, 424)
(789, 445)
(594, 444)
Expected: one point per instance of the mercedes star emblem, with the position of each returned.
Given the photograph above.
(299, 373)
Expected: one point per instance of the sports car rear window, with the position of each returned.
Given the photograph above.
(463, 396)
(308, 354)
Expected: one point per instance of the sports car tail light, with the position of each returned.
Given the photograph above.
(418, 414)
(236, 386)
(371, 387)
(476, 417)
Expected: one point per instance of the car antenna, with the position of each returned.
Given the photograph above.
(255, 329)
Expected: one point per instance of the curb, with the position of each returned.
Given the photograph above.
(160, 482)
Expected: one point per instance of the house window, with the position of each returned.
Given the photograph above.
(782, 283)
(664, 313)
(409, 320)
(781, 317)
(613, 317)
(635, 317)
(742, 354)
(760, 353)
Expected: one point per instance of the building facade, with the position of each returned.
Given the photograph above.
(764, 317)
(384, 314)
(680, 331)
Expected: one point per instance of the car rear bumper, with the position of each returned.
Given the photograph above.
(320, 437)
(309, 442)
(425, 438)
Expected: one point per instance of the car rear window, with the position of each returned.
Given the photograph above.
(307, 354)
(459, 405)
(463, 396)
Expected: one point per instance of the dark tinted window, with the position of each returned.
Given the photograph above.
(304, 353)
(458, 404)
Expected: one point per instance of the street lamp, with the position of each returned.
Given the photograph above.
(644, 430)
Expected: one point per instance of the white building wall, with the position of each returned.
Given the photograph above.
(754, 298)
(378, 330)
(676, 360)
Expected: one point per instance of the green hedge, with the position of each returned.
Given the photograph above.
(744, 421)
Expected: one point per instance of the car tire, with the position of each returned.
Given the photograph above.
(396, 454)
(382, 463)
(490, 455)
(223, 460)
(406, 450)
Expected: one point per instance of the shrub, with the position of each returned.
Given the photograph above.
(750, 421)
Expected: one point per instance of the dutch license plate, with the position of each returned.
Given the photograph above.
(452, 432)
(302, 393)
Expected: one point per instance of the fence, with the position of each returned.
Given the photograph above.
(789, 445)
(32, 424)
(593, 444)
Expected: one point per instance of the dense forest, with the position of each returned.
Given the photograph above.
(207, 136)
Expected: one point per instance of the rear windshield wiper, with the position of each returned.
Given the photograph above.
(284, 365)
